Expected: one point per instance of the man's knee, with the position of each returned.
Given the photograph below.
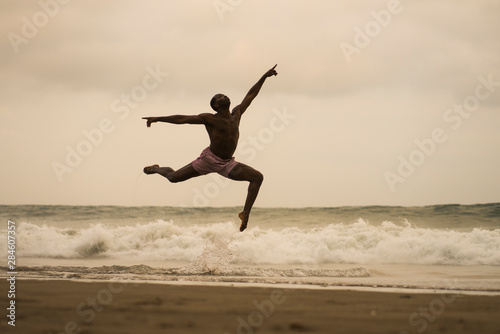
(258, 177)
(174, 178)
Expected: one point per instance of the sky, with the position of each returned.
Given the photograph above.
(375, 102)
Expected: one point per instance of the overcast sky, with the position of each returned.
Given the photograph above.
(375, 103)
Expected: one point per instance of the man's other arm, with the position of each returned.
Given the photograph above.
(179, 119)
(252, 93)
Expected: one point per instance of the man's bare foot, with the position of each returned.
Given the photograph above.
(244, 220)
(150, 169)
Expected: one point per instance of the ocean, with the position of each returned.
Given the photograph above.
(427, 247)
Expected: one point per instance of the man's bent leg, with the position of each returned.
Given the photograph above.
(242, 172)
(173, 176)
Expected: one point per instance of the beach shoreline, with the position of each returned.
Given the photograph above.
(390, 277)
(74, 306)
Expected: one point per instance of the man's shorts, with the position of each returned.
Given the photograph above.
(208, 162)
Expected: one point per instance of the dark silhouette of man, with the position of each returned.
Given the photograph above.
(223, 130)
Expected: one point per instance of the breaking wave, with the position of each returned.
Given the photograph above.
(216, 246)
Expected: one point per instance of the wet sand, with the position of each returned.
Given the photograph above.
(65, 306)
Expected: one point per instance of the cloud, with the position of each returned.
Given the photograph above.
(365, 112)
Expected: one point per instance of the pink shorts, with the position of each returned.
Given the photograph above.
(208, 162)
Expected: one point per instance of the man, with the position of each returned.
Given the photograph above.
(223, 130)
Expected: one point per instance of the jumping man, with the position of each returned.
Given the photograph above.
(223, 130)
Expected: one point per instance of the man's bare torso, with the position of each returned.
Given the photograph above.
(224, 133)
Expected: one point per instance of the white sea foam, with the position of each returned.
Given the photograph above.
(357, 243)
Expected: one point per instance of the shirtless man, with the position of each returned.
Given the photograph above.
(223, 130)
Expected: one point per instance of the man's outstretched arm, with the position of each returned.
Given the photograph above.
(178, 119)
(252, 93)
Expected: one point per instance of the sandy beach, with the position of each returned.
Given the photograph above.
(64, 306)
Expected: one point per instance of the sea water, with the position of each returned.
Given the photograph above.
(436, 247)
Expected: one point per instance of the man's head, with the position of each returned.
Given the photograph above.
(219, 101)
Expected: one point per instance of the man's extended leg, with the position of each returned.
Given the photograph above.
(173, 176)
(242, 172)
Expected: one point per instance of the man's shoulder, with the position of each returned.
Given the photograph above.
(208, 118)
(236, 110)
